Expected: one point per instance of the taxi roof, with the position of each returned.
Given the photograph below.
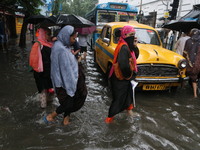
(132, 23)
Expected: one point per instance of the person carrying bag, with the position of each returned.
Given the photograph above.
(123, 71)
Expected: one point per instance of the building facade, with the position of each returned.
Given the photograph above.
(158, 8)
(153, 12)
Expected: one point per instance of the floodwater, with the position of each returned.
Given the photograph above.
(163, 121)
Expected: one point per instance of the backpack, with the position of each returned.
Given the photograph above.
(35, 57)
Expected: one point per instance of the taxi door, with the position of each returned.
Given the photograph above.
(103, 48)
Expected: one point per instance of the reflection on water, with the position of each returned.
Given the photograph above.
(161, 121)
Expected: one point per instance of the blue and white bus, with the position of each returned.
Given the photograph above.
(110, 12)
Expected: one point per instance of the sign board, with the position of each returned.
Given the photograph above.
(166, 14)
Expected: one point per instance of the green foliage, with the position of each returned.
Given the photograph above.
(55, 7)
(78, 7)
(29, 7)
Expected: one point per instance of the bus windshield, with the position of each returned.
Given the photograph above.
(104, 16)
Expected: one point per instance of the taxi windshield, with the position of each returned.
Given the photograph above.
(147, 36)
(144, 36)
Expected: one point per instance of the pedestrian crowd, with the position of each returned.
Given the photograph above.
(58, 70)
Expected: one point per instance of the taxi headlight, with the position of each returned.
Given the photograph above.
(182, 64)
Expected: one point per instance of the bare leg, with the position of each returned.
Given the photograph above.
(50, 97)
(194, 85)
(84, 54)
(130, 112)
(43, 99)
(66, 120)
(50, 117)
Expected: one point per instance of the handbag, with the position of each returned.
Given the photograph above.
(35, 58)
(118, 72)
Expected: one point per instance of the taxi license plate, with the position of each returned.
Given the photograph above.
(154, 87)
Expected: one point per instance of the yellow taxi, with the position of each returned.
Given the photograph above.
(158, 68)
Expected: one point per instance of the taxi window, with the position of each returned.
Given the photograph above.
(106, 33)
(103, 32)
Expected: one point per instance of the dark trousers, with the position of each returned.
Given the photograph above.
(66, 102)
(70, 104)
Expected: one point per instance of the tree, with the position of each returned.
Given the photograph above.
(55, 7)
(27, 7)
(78, 7)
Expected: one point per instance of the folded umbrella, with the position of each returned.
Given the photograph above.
(134, 84)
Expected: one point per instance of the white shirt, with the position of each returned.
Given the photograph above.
(82, 40)
(180, 44)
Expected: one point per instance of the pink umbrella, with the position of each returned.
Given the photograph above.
(86, 30)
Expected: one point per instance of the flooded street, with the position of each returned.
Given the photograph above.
(164, 121)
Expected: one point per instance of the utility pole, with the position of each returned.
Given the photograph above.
(173, 12)
(175, 6)
(140, 13)
(140, 6)
(180, 9)
(167, 10)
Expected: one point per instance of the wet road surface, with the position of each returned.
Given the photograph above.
(163, 121)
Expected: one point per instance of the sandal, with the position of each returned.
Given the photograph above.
(46, 121)
(109, 120)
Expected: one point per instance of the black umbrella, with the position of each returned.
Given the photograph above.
(49, 21)
(35, 19)
(182, 25)
(187, 22)
(76, 21)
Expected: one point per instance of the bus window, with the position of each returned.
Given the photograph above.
(124, 16)
(104, 17)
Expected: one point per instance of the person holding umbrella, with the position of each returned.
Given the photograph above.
(67, 76)
(192, 54)
(123, 73)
